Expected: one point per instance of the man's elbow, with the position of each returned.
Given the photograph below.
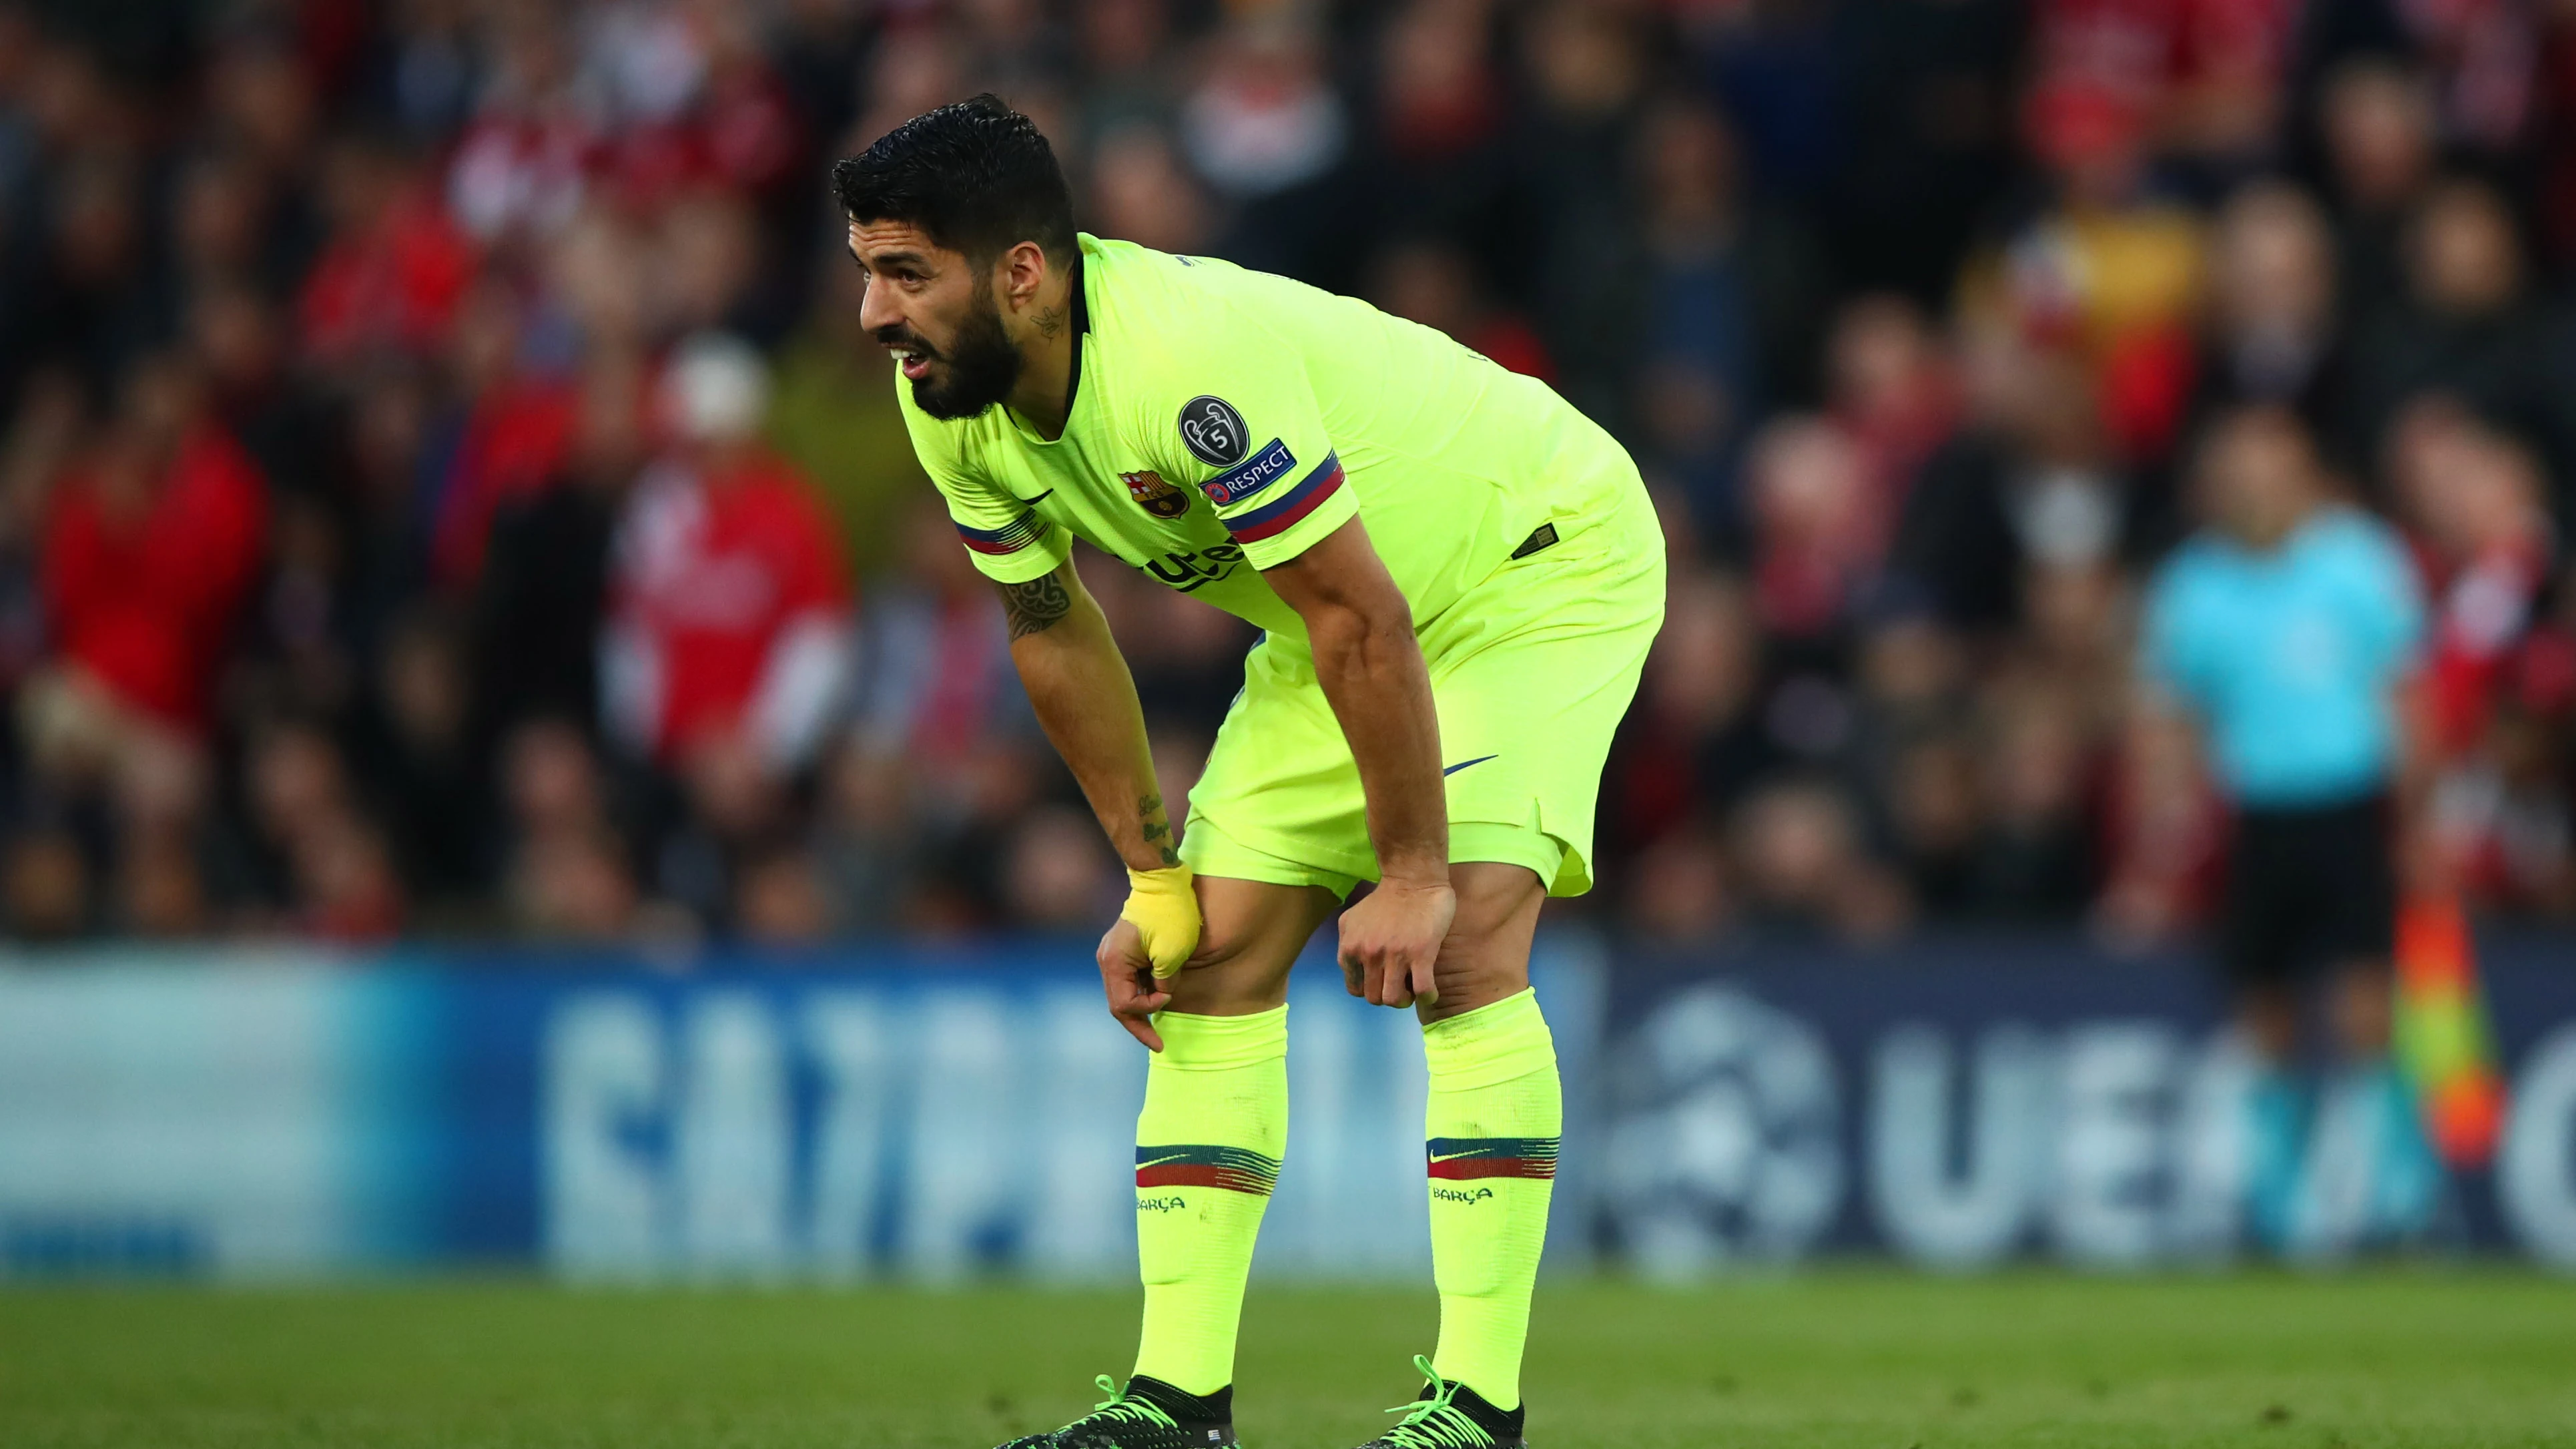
(1362, 633)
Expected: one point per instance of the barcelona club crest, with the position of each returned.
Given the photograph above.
(1155, 496)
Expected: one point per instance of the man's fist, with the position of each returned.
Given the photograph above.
(1391, 940)
(1128, 978)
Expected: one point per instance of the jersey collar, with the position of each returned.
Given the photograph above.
(1081, 328)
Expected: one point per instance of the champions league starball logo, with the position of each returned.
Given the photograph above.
(1728, 1143)
(1213, 431)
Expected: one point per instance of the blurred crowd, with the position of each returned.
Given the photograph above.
(445, 490)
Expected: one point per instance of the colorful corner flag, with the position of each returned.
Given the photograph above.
(2443, 1038)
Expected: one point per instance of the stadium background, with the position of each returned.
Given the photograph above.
(417, 846)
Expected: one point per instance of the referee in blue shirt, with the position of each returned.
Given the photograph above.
(2288, 631)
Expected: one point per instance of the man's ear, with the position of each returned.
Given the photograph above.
(1021, 272)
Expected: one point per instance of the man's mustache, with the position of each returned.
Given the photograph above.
(905, 338)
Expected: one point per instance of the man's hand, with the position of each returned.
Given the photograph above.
(1391, 939)
(1163, 906)
(1127, 974)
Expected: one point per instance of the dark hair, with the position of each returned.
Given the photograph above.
(976, 175)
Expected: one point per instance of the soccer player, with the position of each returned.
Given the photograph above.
(1456, 575)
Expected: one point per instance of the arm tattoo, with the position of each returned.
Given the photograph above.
(1158, 827)
(1036, 606)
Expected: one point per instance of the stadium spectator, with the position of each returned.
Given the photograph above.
(149, 553)
(2463, 325)
(45, 885)
(1816, 531)
(2470, 499)
(1799, 854)
(726, 632)
(508, 439)
(780, 899)
(565, 874)
(535, 617)
(727, 641)
(2376, 119)
(1890, 389)
(2030, 484)
(411, 748)
(2275, 334)
(1127, 75)
(866, 840)
(1678, 890)
(395, 266)
(1695, 741)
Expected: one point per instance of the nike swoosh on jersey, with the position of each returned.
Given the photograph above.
(1462, 764)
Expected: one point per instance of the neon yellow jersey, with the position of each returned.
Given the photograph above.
(1226, 419)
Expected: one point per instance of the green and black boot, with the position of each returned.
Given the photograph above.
(1450, 1415)
(1147, 1414)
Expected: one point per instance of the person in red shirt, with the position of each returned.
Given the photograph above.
(395, 267)
(152, 546)
(728, 641)
(513, 441)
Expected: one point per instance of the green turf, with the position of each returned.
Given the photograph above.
(1848, 1357)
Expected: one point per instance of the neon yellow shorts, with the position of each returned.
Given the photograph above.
(1531, 671)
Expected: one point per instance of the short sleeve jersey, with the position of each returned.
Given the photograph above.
(1224, 420)
(2290, 657)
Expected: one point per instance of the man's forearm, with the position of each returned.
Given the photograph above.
(1086, 701)
(1372, 673)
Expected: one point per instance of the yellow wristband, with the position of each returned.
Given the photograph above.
(1166, 913)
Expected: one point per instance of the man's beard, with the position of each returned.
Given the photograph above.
(980, 368)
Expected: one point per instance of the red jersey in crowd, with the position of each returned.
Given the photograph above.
(395, 282)
(729, 611)
(142, 595)
(514, 445)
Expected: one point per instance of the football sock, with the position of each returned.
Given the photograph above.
(2406, 1176)
(2276, 1128)
(1207, 1154)
(1493, 1119)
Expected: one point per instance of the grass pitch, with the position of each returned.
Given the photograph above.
(1839, 1358)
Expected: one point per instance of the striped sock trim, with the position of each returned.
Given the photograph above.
(1235, 1169)
(1460, 1159)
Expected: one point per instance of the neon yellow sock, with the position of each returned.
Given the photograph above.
(1493, 1121)
(1207, 1153)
